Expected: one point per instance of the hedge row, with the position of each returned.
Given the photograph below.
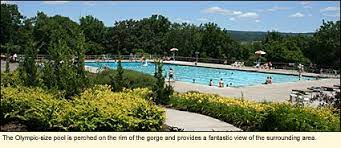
(96, 109)
(254, 116)
(133, 79)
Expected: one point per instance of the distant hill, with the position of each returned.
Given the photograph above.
(256, 35)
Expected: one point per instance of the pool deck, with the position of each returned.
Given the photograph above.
(277, 92)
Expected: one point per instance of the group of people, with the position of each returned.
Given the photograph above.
(166, 58)
(12, 58)
(267, 65)
(220, 83)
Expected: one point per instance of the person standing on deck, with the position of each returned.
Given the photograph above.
(211, 83)
(171, 73)
(15, 57)
(221, 83)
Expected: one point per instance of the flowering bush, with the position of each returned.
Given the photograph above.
(96, 109)
(254, 116)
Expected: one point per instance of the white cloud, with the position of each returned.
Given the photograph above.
(248, 15)
(233, 13)
(216, 10)
(297, 15)
(55, 2)
(237, 12)
(89, 3)
(276, 8)
(257, 21)
(222, 11)
(330, 9)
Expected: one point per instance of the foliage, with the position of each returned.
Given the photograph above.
(134, 79)
(64, 68)
(161, 92)
(250, 36)
(10, 24)
(287, 49)
(285, 117)
(119, 82)
(11, 79)
(253, 116)
(96, 109)
(28, 69)
(325, 46)
(330, 101)
(94, 31)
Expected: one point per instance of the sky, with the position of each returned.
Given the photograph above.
(283, 16)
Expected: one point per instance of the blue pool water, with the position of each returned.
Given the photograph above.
(203, 75)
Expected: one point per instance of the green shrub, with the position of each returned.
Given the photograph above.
(10, 78)
(96, 109)
(285, 117)
(254, 116)
(134, 79)
(37, 108)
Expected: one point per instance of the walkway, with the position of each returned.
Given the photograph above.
(196, 122)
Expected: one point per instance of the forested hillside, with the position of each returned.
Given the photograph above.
(258, 35)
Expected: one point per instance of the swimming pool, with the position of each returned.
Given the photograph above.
(203, 75)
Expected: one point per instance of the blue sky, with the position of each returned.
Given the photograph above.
(283, 16)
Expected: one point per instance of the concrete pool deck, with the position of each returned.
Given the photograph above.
(276, 92)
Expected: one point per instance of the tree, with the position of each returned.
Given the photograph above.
(10, 24)
(94, 31)
(46, 26)
(161, 92)
(64, 68)
(281, 48)
(118, 82)
(325, 49)
(28, 67)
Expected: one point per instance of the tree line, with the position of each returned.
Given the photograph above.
(156, 35)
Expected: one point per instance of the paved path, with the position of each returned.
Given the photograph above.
(196, 122)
